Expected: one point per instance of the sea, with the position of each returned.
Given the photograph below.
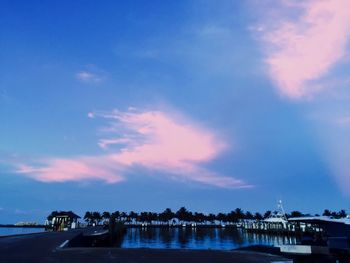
(6, 231)
(199, 238)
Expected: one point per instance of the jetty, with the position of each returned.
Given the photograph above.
(52, 247)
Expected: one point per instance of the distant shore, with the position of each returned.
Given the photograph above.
(22, 226)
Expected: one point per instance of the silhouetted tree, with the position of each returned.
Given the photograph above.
(116, 215)
(199, 217)
(341, 213)
(327, 212)
(296, 214)
(97, 217)
(211, 217)
(249, 215)
(123, 216)
(166, 215)
(221, 217)
(88, 218)
(267, 214)
(239, 213)
(106, 215)
(182, 214)
(258, 216)
(52, 215)
(133, 215)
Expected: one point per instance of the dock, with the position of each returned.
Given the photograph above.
(50, 247)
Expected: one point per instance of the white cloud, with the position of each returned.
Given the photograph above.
(88, 77)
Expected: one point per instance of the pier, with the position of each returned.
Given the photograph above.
(50, 247)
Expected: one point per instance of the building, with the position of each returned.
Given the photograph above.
(62, 220)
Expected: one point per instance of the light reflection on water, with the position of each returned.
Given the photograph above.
(199, 238)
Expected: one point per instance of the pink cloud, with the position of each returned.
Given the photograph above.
(162, 142)
(62, 170)
(302, 49)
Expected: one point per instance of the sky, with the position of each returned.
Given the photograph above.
(143, 105)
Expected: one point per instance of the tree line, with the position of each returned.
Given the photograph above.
(184, 215)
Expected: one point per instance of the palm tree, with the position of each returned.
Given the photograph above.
(143, 217)
(199, 217)
(166, 215)
(97, 217)
(267, 214)
(211, 217)
(232, 217)
(341, 213)
(249, 215)
(181, 214)
(116, 215)
(327, 212)
(221, 217)
(88, 218)
(296, 214)
(52, 215)
(239, 213)
(106, 216)
(123, 216)
(258, 216)
(133, 216)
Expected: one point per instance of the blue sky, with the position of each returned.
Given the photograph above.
(145, 105)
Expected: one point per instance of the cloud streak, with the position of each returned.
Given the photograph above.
(88, 77)
(77, 169)
(164, 143)
(302, 49)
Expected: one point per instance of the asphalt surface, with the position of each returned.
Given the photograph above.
(44, 247)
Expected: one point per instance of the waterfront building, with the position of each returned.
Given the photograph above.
(63, 220)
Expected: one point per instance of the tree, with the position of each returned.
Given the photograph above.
(116, 215)
(296, 214)
(52, 215)
(166, 215)
(133, 216)
(143, 217)
(88, 218)
(239, 213)
(341, 213)
(267, 214)
(221, 217)
(106, 216)
(123, 215)
(232, 217)
(97, 217)
(181, 214)
(199, 217)
(327, 212)
(258, 216)
(249, 215)
(211, 217)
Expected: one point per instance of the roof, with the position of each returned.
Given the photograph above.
(67, 213)
(275, 220)
(319, 219)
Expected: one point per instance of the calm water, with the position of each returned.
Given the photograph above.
(5, 231)
(200, 238)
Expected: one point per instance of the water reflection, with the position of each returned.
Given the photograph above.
(199, 238)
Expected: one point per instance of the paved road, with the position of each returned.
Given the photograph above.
(43, 247)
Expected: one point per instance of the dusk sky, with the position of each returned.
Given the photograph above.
(144, 105)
